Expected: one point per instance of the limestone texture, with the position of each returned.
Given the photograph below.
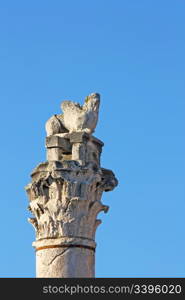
(65, 193)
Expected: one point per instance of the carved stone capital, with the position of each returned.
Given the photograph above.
(65, 199)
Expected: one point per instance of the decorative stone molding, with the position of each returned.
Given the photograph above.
(65, 193)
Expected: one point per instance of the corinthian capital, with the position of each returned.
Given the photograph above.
(65, 199)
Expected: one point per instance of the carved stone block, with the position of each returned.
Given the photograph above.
(58, 148)
(79, 137)
(59, 142)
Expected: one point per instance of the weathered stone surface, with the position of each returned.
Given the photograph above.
(55, 125)
(78, 146)
(65, 263)
(56, 141)
(79, 137)
(65, 200)
(75, 117)
(65, 193)
(57, 147)
(79, 153)
(54, 153)
(81, 118)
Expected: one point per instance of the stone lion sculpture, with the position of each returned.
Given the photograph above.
(75, 117)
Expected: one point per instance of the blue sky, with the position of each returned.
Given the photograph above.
(132, 53)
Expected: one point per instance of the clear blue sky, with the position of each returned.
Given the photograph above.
(132, 53)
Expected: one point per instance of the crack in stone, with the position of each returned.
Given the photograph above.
(57, 256)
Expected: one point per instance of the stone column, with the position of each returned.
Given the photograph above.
(65, 194)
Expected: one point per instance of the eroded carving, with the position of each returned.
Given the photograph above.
(66, 190)
(75, 117)
(65, 199)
